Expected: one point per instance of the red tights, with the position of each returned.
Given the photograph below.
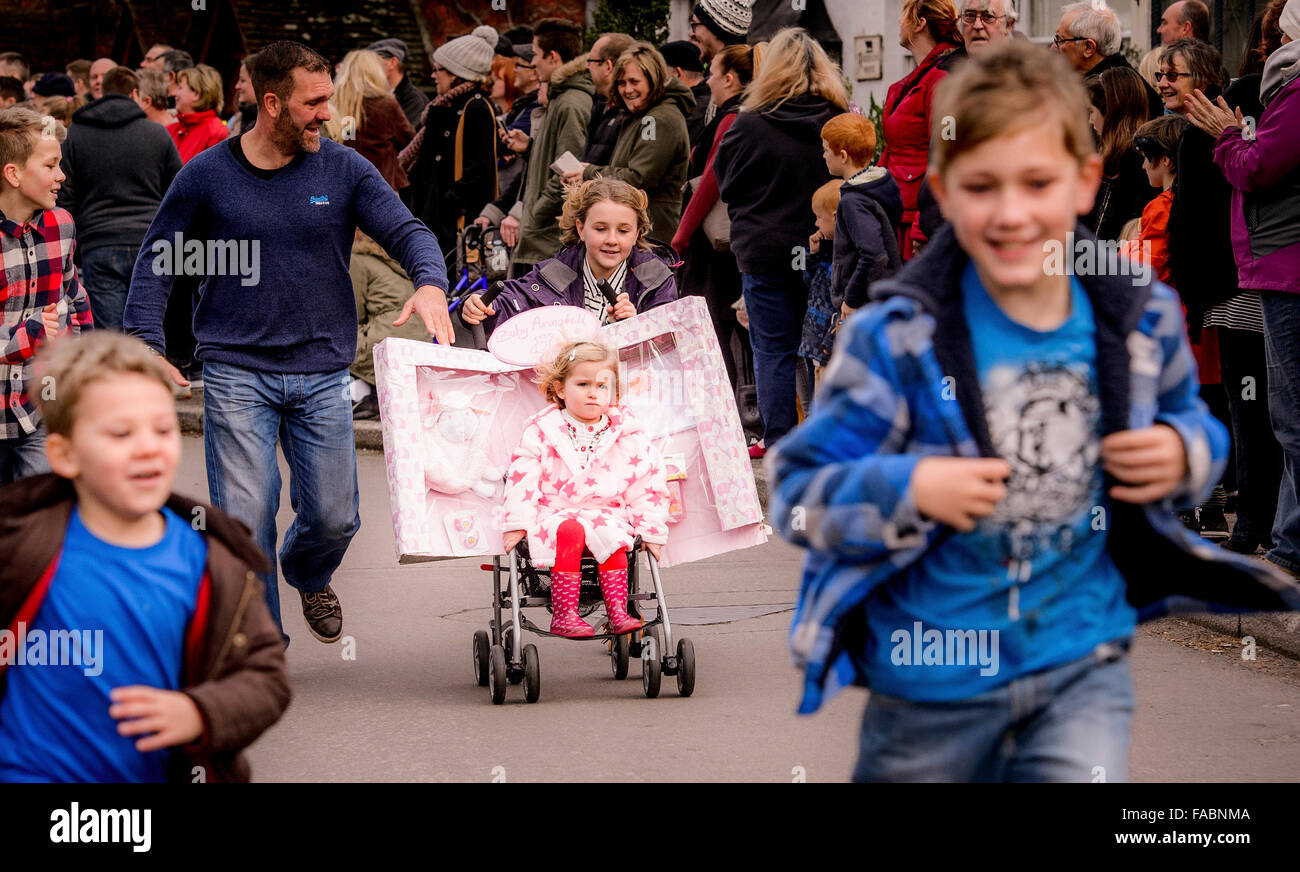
(570, 544)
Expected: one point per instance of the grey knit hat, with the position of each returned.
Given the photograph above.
(728, 20)
(469, 57)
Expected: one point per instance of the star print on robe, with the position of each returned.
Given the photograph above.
(517, 476)
(638, 521)
(601, 499)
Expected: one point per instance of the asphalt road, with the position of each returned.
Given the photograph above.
(407, 707)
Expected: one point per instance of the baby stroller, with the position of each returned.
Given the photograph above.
(502, 658)
(481, 257)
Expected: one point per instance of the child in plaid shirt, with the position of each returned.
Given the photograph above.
(40, 295)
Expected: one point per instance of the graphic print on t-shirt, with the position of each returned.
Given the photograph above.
(1043, 421)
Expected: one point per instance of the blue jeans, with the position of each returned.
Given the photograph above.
(106, 275)
(245, 413)
(1070, 723)
(776, 303)
(1282, 354)
(23, 456)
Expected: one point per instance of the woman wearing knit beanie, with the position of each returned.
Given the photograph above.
(452, 160)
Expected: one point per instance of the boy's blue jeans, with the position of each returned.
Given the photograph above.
(1070, 723)
(23, 456)
(245, 413)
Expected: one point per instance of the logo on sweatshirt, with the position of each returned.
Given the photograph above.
(319, 200)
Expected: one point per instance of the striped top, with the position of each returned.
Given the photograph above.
(592, 299)
(1242, 312)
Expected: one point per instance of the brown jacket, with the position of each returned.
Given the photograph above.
(233, 667)
(384, 133)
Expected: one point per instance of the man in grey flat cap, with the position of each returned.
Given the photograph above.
(393, 53)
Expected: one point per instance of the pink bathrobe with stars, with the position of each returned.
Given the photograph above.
(623, 493)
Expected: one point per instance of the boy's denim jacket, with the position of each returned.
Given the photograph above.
(903, 385)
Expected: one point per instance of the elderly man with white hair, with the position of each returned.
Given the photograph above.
(985, 22)
(1089, 38)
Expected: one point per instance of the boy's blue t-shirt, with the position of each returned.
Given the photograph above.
(132, 607)
(1037, 570)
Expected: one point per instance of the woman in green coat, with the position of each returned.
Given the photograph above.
(653, 146)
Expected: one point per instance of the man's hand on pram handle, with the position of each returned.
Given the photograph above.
(512, 538)
(654, 548)
(430, 303)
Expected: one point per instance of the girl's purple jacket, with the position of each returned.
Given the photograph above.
(558, 282)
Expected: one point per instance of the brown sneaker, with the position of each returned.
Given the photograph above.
(324, 614)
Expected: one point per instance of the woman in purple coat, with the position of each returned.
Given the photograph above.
(1263, 167)
(603, 224)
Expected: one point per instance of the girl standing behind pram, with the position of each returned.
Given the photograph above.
(604, 225)
(585, 477)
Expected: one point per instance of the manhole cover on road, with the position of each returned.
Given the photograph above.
(689, 616)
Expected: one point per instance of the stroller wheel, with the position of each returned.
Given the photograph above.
(511, 675)
(481, 657)
(532, 674)
(652, 671)
(619, 656)
(685, 667)
(497, 674)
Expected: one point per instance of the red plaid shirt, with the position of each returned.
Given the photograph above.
(38, 270)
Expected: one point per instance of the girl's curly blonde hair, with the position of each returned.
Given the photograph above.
(578, 200)
(550, 374)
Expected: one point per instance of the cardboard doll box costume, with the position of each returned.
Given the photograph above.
(452, 416)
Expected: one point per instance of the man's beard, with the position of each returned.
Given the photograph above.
(290, 139)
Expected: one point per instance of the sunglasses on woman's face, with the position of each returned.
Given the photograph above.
(1172, 77)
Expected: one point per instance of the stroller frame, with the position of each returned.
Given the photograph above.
(502, 658)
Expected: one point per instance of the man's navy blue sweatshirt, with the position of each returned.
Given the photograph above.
(295, 311)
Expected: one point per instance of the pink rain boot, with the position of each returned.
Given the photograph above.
(564, 605)
(613, 587)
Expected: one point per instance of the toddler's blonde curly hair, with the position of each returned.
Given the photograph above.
(550, 374)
